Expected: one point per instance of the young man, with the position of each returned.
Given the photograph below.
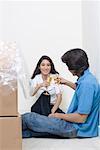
(82, 117)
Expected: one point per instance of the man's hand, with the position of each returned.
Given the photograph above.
(54, 115)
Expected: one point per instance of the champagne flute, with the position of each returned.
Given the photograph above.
(56, 79)
(49, 78)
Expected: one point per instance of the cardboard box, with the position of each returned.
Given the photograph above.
(8, 101)
(10, 133)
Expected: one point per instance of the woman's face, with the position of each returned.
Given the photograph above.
(45, 67)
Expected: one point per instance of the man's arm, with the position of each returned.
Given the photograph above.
(70, 84)
(72, 117)
(66, 82)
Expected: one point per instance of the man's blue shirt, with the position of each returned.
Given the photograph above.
(86, 100)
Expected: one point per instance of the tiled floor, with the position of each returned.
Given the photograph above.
(61, 144)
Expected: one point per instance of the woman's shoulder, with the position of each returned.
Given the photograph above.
(37, 77)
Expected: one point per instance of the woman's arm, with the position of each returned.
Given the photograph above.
(56, 105)
(38, 86)
(36, 89)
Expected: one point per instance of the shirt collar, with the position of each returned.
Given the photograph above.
(86, 72)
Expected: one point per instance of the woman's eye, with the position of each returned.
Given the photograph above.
(48, 65)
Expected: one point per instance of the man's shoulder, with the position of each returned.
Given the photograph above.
(90, 79)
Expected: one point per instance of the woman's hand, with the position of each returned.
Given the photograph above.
(44, 84)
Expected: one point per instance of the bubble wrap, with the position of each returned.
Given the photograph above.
(12, 67)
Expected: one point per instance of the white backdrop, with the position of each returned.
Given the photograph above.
(50, 28)
(91, 33)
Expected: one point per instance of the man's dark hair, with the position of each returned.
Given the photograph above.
(76, 59)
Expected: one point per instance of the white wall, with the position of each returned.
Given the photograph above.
(91, 33)
(39, 28)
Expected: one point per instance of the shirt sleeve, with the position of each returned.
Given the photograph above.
(58, 89)
(85, 95)
(33, 84)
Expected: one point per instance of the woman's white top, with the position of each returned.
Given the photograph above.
(53, 88)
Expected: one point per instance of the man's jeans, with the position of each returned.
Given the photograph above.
(35, 125)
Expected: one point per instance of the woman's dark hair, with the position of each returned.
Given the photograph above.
(76, 59)
(37, 69)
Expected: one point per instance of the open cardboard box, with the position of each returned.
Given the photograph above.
(10, 133)
(8, 101)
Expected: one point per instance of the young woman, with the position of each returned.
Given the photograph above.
(48, 95)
